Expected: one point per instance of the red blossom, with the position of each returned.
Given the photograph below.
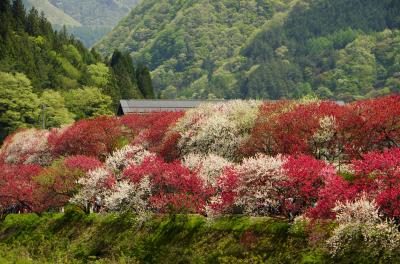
(83, 163)
(17, 186)
(174, 187)
(306, 177)
(96, 137)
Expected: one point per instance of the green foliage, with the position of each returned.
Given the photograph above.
(184, 41)
(264, 49)
(334, 46)
(55, 65)
(143, 78)
(125, 84)
(74, 237)
(56, 113)
(77, 238)
(88, 102)
(19, 106)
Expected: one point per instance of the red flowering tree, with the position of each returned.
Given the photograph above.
(262, 139)
(174, 188)
(305, 178)
(149, 129)
(378, 127)
(95, 137)
(335, 189)
(17, 188)
(169, 146)
(324, 130)
(379, 174)
(227, 192)
(83, 163)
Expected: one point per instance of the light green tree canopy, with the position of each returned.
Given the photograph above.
(19, 106)
(57, 113)
(88, 102)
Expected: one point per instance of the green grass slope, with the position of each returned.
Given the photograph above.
(77, 238)
(74, 237)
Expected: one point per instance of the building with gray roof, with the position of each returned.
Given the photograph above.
(146, 106)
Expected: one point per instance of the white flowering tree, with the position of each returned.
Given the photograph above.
(360, 223)
(208, 168)
(105, 188)
(260, 184)
(218, 128)
(29, 146)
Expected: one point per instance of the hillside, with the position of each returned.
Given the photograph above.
(53, 14)
(231, 182)
(76, 238)
(40, 66)
(88, 20)
(183, 42)
(269, 49)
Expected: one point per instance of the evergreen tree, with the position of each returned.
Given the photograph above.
(33, 23)
(124, 73)
(19, 14)
(144, 81)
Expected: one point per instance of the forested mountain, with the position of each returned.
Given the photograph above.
(342, 49)
(42, 67)
(88, 20)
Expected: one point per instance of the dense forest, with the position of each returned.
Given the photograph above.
(87, 20)
(264, 49)
(50, 73)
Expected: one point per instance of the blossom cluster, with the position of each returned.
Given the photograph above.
(317, 160)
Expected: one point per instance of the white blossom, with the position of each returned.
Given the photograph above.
(259, 189)
(208, 168)
(93, 189)
(360, 220)
(130, 196)
(125, 157)
(28, 146)
(218, 129)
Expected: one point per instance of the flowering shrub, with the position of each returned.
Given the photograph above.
(209, 168)
(379, 125)
(133, 196)
(219, 128)
(174, 188)
(305, 178)
(359, 222)
(82, 163)
(28, 146)
(18, 188)
(97, 137)
(262, 139)
(335, 189)
(381, 172)
(149, 130)
(123, 158)
(95, 186)
(261, 182)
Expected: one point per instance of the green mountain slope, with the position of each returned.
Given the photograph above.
(183, 42)
(335, 49)
(88, 20)
(264, 49)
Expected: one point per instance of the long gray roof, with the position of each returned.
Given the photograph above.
(143, 106)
